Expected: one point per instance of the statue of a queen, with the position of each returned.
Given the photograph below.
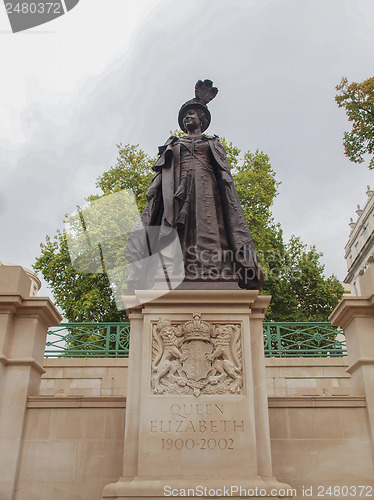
(193, 192)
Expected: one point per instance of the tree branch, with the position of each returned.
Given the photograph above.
(367, 111)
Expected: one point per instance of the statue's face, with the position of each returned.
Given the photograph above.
(191, 119)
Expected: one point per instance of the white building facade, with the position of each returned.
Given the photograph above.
(359, 250)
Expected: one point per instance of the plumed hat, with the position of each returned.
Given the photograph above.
(204, 93)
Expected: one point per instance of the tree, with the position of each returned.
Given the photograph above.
(81, 296)
(88, 296)
(294, 274)
(299, 289)
(358, 101)
(133, 170)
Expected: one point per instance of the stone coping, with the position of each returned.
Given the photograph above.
(32, 307)
(351, 307)
(358, 363)
(4, 360)
(289, 362)
(123, 362)
(152, 297)
(317, 402)
(80, 401)
(85, 362)
(76, 402)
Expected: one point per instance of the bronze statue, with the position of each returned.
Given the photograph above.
(194, 193)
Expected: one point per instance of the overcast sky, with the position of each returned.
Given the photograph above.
(115, 71)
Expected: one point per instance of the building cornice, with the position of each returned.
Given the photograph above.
(360, 258)
(359, 224)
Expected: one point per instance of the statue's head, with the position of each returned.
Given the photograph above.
(193, 112)
(204, 93)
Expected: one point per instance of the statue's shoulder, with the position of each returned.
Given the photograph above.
(172, 139)
(214, 139)
(217, 145)
(210, 138)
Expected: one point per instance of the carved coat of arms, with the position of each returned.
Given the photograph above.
(196, 357)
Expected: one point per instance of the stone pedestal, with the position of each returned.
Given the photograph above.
(197, 413)
(24, 322)
(355, 314)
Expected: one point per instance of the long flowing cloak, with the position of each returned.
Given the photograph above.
(163, 210)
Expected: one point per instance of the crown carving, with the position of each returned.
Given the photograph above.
(197, 329)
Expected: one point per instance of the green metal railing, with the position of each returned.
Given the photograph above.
(294, 340)
(88, 340)
(111, 340)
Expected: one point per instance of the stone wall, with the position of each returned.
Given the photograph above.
(73, 437)
(320, 441)
(108, 377)
(84, 377)
(318, 427)
(72, 447)
(62, 422)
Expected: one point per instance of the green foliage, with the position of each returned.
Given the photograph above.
(297, 284)
(294, 274)
(257, 188)
(81, 296)
(133, 170)
(358, 101)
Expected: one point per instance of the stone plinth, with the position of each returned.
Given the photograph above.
(356, 316)
(24, 322)
(197, 414)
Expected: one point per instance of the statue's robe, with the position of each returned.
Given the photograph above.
(164, 212)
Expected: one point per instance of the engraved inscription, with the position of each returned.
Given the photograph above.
(202, 426)
(196, 357)
(203, 444)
